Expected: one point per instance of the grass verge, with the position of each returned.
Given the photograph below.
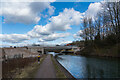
(59, 73)
(30, 70)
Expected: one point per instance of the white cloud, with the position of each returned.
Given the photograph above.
(53, 36)
(37, 7)
(4, 45)
(62, 22)
(28, 13)
(65, 19)
(18, 38)
(13, 38)
(24, 12)
(93, 9)
(28, 0)
(77, 35)
(38, 31)
(65, 42)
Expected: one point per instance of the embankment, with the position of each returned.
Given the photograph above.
(62, 69)
(19, 67)
(13, 66)
(109, 51)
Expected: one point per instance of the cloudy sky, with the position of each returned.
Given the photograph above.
(51, 22)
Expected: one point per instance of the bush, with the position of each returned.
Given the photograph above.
(111, 39)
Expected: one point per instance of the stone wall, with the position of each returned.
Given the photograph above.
(6, 53)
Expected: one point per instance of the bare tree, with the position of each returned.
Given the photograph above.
(91, 29)
(98, 27)
(85, 23)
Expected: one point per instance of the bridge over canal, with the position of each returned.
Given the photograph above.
(44, 50)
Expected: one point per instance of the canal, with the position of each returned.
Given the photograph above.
(90, 67)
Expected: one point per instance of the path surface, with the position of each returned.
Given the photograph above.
(46, 69)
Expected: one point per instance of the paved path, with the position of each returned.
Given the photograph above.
(0, 69)
(46, 69)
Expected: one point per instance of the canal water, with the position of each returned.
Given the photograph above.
(90, 67)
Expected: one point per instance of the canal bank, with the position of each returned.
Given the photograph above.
(104, 51)
(62, 68)
(50, 68)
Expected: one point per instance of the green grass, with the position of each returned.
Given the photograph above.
(59, 73)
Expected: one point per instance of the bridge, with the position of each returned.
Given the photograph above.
(56, 49)
(29, 51)
(44, 50)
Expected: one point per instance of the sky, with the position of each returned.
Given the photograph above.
(50, 22)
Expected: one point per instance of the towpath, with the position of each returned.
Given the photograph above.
(46, 69)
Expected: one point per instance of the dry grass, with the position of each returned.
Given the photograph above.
(59, 73)
(19, 68)
(12, 66)
(29, 71)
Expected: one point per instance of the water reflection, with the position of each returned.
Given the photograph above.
(91, 67)
(52, 53)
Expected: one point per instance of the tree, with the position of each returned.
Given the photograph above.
(105, 27)
(98, 27)
(112, 10)
(91, 29)
(85, 34)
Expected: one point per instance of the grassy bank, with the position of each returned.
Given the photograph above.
(30, 70)
(59, 73)
(19, 67)
(105, 51)
(13, 66)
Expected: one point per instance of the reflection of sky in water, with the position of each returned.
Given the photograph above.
(52, 53)
(86, 67)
